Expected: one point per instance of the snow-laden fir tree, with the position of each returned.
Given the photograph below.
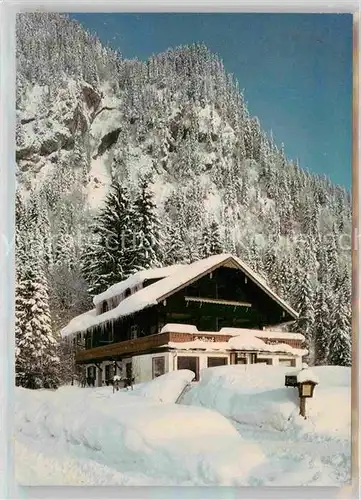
(340, 347)
(253, 253)
(173, 248)
(64, 251)
(322, 326)
(340, 351)
(37, 363)
(306, 322)
(147, 251)
(110, 255)
(38, 220)
(211, 241)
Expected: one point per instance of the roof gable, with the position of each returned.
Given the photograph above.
(227, 260)
(179, 278)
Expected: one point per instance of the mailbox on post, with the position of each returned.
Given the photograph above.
(306, 388)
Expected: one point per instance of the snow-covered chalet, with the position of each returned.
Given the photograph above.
(215, 311)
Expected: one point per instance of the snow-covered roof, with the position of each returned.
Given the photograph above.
(238, 344)
(157, 292)
(79, 323)
(306, 375)
(137, 279)
(250, 343)
(199, 344)
(264, 334)
(179, 328)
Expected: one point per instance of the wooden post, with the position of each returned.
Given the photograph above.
(303, 407)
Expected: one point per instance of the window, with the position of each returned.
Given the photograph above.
(158, 366)
(287, 362)
(133, 332)
(104, 307)
(216, 361)
(127, 293)
(109, 369)
(189, 363)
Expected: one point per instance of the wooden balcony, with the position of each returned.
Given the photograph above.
(145, 344)
(121, 349)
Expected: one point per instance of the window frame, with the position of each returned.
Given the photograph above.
(104, 307)
(134, 331)
(154, 360)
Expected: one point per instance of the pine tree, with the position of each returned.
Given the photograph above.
(332, 256)
(340, 338)
(173, 249)
(109, 257)
(341, 323)
(146, 229)
(64, 251)
(285, 277)
(322, 327)
(270, 264)
(39, 224)
(305, 308)
(254, 256)
(211, 242)
(37, 364)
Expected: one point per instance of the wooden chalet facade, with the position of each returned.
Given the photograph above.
(184, 316)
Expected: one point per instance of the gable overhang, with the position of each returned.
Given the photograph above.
(234, 263)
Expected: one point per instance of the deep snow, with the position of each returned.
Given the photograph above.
(130, 435)
(238, 426)
(312, 452)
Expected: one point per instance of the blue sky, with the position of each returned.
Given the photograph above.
(296, 70)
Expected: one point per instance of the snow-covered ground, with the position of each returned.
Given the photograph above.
(312, 452)
(238, 426)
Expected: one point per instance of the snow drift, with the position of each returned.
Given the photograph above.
(256, 395)
(133, 435)
(165, 389)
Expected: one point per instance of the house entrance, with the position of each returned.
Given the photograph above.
(189, 363)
